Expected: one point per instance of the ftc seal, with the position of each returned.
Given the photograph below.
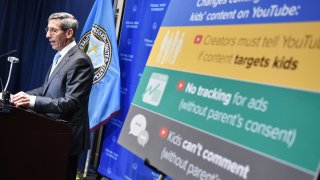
(96, 44)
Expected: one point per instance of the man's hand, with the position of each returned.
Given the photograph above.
(21, 99)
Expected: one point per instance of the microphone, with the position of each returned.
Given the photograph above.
(5, 108)
(12, 60)
(8, 53)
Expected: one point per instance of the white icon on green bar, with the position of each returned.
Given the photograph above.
(155, 88)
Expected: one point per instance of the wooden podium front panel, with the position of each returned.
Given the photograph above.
(33, 146)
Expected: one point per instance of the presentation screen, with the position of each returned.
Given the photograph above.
(231, 91)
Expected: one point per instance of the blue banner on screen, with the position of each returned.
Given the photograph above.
(140, 26)
(98, 39)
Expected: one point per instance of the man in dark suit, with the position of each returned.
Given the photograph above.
(65, 92)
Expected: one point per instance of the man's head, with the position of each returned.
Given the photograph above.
(61, 29)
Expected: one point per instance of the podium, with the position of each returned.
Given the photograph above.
(33, 146)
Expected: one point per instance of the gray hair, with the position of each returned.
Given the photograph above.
(67, 21)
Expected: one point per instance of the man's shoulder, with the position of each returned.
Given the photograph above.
(78, 54)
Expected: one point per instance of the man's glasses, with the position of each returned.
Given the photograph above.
(51, 30)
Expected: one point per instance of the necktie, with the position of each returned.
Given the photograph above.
(55, 62)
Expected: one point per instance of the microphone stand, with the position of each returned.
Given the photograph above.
(11, 60)
(5, 104)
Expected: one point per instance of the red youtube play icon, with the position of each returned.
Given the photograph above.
(197, 39)
(180, 85)
(163, 132)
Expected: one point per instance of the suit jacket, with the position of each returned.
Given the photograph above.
(65, 95)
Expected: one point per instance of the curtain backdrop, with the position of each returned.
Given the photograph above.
(22, 26)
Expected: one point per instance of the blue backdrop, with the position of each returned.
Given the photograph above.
(22, 26)
(140, 26)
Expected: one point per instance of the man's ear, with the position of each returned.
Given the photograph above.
(69, 33)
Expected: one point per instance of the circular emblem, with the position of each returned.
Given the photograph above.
(96, 44)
